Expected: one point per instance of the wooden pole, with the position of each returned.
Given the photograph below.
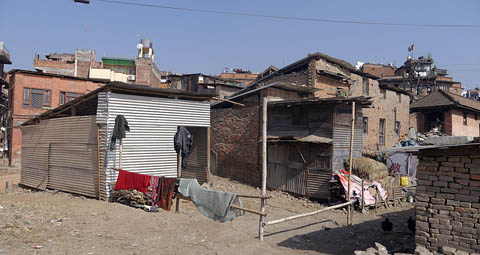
(179, 174)
(363, 198)
(120, 154)
(98, 160)
(264, 168)
(308, 214)
(349, 208)
(249, 210)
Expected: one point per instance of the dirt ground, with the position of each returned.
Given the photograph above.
(61, 223)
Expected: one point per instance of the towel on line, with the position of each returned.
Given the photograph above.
(211, 203)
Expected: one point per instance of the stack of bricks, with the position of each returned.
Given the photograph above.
(448, 204)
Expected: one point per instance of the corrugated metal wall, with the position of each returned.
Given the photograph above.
(61, 154)
(148, 147)
(341, 145)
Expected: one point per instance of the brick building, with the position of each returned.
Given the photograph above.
(32, 93)
(139, 70)
(385, 121)
(202, 83)
(448, 193)
(448, 113)
(244, 77)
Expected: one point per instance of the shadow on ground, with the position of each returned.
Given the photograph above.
(346, 240)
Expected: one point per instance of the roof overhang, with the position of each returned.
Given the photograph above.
(306, 139)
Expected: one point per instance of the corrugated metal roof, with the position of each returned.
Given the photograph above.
(123, 88)
(306, 139)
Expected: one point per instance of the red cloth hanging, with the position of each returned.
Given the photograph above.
(129, 180)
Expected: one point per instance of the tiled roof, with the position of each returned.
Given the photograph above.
(443, 98)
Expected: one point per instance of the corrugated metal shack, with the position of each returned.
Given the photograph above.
(308, 139)
(60, 149)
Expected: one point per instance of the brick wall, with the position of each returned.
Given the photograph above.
(235, 139)
(448, 205)
(18, 113)
(143, 71)
(383, 107)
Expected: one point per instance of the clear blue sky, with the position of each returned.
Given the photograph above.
(187, 42)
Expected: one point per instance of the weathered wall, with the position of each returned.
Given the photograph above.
(448, 191)
(459, 129)
(392, 107)
(18, 113)
(235, 138)
(327, 85)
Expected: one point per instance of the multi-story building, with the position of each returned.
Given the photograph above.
(139, 70)
(384, 123)
(4, 60)
(245, 77)
(419, 77)
(31, 93)
(201, 83)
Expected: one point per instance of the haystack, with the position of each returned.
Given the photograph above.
(371, 170)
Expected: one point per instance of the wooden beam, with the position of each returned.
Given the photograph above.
(227, 100)
(352, 136)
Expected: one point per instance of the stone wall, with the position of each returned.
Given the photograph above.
(448, 204)
(235, 138)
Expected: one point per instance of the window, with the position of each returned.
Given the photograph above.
(465, 119)
(365, 125)
(476, 116)
(46, 102)
(365, 88)
(66, 97)
(384, 93)
(381, 132)
(26, 96)
(36, 98)
(397, 128)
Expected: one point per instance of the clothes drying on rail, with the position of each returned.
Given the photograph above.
(121, 125)
(130, 180)
(183, 141)
(211, 203)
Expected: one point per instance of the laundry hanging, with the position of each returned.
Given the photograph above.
(121, 125)
(183, 141)
(211, 203)
(129, 180)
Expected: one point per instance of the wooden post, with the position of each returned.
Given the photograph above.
(349, 208)
(98, 160)
(363, 198)
(120, 154)
(393, 196)
(179, 174)
(264, 168)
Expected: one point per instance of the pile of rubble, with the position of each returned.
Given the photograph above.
(131, 197)
(420, 250)
(379, 249)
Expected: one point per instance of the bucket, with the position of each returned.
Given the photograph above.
(404, 181)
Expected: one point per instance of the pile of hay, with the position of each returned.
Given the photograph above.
(370, 170)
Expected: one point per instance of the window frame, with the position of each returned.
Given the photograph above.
(365, 86)
(29, 98)
(45, 94)
(381, 132)
(365, 125)
(397, 127)
(465, 119)
(384, 93)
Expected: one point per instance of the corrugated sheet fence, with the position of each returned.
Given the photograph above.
(148, 147)
(61, 154)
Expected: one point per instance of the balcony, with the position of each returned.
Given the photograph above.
(4, 55)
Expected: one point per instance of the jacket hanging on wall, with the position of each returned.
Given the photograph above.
(121, 125)
(183, 141)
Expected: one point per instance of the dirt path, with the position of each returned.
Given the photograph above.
(64, 224)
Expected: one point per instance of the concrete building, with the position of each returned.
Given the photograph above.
(447, 113)
(202, 83)
(31, 93)
(385, 122)
(419, 77)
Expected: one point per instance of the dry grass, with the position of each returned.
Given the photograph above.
(371, 170)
